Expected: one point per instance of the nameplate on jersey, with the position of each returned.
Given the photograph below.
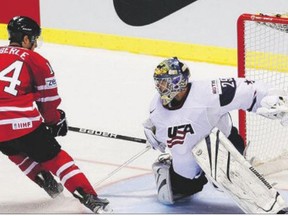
(22, 125)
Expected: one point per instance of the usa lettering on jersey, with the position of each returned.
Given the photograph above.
(177, 134)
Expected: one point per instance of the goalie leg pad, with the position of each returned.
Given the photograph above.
(162, 177)
(231, 172)
(172, 186)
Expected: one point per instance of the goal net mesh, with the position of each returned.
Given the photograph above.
(263, 55)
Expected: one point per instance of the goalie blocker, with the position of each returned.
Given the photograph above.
(229, 170)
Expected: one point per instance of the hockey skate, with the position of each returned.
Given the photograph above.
(46, 181)
(94, 203)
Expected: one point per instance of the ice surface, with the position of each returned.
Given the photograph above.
(107, 91)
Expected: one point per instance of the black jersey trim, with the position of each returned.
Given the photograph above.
(228, 88)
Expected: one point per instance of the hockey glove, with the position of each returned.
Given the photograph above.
(149, 131)
(274, 107)
(60, 128)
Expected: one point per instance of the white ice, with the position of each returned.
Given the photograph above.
(108, 91)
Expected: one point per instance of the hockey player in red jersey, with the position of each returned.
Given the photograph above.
(30, 119)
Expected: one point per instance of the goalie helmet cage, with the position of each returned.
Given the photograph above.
(263, 55)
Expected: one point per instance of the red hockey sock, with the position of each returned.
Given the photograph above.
(29, 167)
(71, 176)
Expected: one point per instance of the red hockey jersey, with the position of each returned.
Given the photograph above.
(28, 92)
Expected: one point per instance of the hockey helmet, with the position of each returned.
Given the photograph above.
(20, 26)
(171, 76)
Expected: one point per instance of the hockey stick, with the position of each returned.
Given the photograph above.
(147, 148)
(106, 134)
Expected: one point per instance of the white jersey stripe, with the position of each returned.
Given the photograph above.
(47, 99)
(22, 162)
(64, 167)
(19, 120)
(70, 175)
(18, 109)
(31, 167)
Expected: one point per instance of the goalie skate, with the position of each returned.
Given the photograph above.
(46, 181)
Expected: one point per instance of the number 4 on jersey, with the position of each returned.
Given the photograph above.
(13, 80)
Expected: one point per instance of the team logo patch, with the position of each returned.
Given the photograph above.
(215, 87)
(177, 134)
(50, 83)
(22, 125)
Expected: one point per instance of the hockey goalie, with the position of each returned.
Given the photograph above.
(183, 113)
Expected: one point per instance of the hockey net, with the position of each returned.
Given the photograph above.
(263, 55)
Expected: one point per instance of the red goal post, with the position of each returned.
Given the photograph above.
(263, 55)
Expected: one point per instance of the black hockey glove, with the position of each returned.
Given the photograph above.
(61, 128)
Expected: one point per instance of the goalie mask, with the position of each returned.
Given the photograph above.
(171, 77)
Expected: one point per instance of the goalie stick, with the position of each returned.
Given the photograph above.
(229, 170)
(123, 165)
(106, 134)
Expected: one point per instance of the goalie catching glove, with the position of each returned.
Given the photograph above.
(60, 128)
(149, 131)
(275, 107)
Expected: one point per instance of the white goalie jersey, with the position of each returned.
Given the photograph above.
(206, 106)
